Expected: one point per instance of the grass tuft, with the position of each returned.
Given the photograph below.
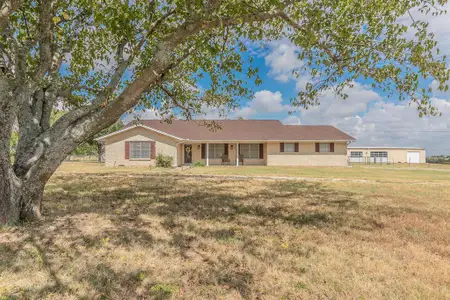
(162, 291)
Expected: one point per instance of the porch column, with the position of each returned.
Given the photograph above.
(207, 154)
(182, 154)
(237, 154)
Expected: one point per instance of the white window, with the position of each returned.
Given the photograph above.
(356, 154)
(289, 147)
(216, 150)
(378, 154)
(249, 150)
(140, 150)
(324, 147)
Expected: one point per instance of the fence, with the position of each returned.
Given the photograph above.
(367, 160)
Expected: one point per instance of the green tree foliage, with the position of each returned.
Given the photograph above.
(99, 59)
(13, 144)
(438, 159)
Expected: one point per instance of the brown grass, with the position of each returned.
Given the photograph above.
(117, 236)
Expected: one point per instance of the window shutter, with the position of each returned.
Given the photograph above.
(331, 147)
(225, 149)
(152, 150)
(127, 150)
(296, 147)
(281, 147)
(317, 147)
(203, 151)
(261, 151)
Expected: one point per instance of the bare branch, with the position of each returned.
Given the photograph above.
(174, 100)
(411, 17)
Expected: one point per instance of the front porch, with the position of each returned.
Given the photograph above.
(213, 154)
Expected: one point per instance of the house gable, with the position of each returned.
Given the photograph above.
(128, 128)
(116, 146)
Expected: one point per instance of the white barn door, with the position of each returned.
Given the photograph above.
(413, 157)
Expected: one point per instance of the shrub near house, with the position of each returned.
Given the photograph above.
(164, 161)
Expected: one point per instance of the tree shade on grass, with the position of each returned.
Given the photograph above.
(99, 59)
(132, 236)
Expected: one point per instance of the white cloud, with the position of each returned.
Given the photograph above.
(146, 114)
(302, 81)
(365, 114)
(382, 123)
(333, 108)
(439, 25)
(283, 59)
(263, 102)
(292, 120)
(439, 94)
(399, 125)
(267, 101)
(211, 113)
(245, 112)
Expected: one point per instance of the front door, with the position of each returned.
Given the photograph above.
(188, 154)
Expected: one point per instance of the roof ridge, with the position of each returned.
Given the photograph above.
(275, 120)
(310, 125)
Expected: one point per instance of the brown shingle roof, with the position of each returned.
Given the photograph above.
(253, 130)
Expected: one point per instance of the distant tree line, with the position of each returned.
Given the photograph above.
(438, 159)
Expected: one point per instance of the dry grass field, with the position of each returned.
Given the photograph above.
(130, 233)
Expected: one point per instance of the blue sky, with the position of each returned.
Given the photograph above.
(367, 114)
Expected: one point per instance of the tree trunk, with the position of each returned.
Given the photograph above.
(9, 194)
(19, 201)
(101, 151)
(9, 183)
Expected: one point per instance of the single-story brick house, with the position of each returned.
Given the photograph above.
(237, 142)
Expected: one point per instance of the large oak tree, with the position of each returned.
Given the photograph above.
(99, 59)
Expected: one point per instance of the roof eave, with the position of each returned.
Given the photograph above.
(386, 147)
(135, 126)
(266, 140)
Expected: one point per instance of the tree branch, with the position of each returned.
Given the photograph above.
(78, 125)
(175, 101)
(44, 38)
(151, 30)
(152, 75)
(320, 45)
(8, 8)
(68, 92)
(247, 18)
